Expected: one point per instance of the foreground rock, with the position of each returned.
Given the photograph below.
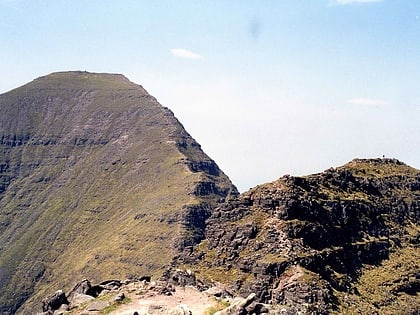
(140, 297)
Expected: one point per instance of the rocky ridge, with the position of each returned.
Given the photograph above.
(177, 294)
(342, 241)
(98, 180)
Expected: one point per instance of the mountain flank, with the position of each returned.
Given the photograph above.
(345, 241)
(98, 181)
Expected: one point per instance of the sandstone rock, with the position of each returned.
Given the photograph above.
(155, 309)
(238, 306)
(82, 287)
(330, 226)
(181, 309)
(214, 291)
(97, 306)
(78, 299)
(119, 297)
(110, 285)
(182, 278)
(62, 310)
(145, 278)
(54, 301)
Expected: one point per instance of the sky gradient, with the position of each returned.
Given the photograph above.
(266, 87)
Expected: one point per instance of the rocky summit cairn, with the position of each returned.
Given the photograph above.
(342, 241)
(98, 181)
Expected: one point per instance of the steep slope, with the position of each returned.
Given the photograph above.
(98, 181)
(344, 241)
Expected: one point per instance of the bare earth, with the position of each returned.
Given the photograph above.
(151, 303)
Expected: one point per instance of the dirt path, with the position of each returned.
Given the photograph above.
(197, 302)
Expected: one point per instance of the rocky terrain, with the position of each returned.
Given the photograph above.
(344, 241)
(98, 181)
(177, 293)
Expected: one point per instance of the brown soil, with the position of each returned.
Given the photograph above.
(151, 303)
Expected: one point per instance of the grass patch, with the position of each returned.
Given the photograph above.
(220, 305)
(113, 307)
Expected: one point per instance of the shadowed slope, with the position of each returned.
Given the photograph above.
(97, 180)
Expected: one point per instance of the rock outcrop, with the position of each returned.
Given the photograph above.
(346, 240)
(98, 181)
(136, 296)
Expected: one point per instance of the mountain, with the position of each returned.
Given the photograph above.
(345, 241)
(98, 181)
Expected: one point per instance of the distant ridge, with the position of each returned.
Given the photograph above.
(98, 181)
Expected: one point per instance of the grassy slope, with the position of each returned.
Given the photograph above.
(104, 200)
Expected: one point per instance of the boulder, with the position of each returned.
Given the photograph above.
(62, 310)
(97, 306)
(54, 301)
(119, 297)
(81, 287)
(182, 277)
(78, 299)
(110, 285)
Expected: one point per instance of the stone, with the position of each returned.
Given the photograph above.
(155, 309)
(110, 285)
(54, 301)
(214, 291)
(119, 297)
(182, 277)
(145, 278)
(97, 306)
(78, 299)
(81, 287)
(180, 309)
(238, 306)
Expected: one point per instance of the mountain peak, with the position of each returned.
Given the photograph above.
(97, 180)
(83, 80)
(84, 75)
(323, 243)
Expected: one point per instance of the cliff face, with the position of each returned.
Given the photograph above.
(345, 241)
(98, 181)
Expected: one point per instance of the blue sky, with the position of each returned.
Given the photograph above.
(266, 87)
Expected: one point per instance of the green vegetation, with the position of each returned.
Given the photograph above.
(378, 168)
(386, 286)
(95, 187)
(113, 307)
(220, 305)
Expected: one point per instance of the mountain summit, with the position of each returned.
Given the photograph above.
(98, 181)
(345, 241)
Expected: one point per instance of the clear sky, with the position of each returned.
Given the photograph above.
(267, 87)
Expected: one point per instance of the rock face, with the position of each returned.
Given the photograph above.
(98, 181)
(344, 241)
